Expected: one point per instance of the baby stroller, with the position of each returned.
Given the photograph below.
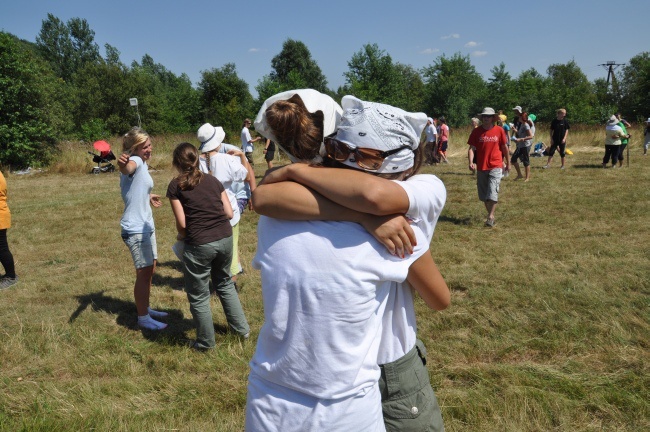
(103, 159)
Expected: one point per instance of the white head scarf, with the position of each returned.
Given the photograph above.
(381, 127)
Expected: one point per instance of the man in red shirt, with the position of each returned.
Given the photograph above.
(490, 144)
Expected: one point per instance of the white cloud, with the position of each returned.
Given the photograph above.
(429, 51)
(479, 53)
(254, 50)
(472, 44)
(451, 36)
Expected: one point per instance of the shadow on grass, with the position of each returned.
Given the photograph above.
(174, 334)
(175, 283)
(587, 166)
(456, 221)
(454, 173)
(173, 264)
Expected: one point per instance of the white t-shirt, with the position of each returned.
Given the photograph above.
(135, 188)
(230, 172)
(324, 287)
(431, 133)
(427, 196)
(246, 146)
(241, 189)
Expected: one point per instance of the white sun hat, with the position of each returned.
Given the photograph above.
(210, 137)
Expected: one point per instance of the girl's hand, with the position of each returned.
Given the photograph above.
(393, 231)
(123, 160)
(235, 152)
(278, 174)
(155, 200)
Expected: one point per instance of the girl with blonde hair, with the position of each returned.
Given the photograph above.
(138, 231)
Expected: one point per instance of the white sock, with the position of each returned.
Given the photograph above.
(157, 314)
(149, 323)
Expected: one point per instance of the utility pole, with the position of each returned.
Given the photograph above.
(611, 67)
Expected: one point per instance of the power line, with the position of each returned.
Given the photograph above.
(611, 67)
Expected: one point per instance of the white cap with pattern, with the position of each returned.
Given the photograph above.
(381, 127)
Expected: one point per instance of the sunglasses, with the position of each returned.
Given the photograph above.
(366, 158)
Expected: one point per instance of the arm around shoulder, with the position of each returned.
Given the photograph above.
(353, 189)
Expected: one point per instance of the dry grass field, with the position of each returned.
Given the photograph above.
(549, 327)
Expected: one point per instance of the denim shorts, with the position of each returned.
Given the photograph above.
(143, 248)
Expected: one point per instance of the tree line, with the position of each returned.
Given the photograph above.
(61, 87)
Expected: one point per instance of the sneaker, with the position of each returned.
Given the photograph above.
(562, 167)
(198, 347)
(489, 223)
(546, 166)
(6, 282)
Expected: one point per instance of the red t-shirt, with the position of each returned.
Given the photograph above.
(488, 147)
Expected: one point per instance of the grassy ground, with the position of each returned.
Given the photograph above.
(548, 329)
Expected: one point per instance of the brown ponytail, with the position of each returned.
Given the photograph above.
(186, 161)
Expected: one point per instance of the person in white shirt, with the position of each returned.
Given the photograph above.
(231, 170)
(398, 158)
(247, 141)
(432, 138)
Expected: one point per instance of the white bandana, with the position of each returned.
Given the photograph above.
(382, 127)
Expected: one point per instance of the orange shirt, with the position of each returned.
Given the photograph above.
(5, 214)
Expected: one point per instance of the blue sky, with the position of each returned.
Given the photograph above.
(190, 36)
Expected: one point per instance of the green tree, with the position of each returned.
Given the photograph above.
(410, 96)
(296, 59)
(167, 102)
(529, 90)
(67, 47)
(101, 100)
(605, 104)
(84, 48)
(293, 68)
(500, 89)
(26, 104)
(225, 98)
(568, 87)
(112, 55)
(635, 87)
(454, 89)
(372, 76)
